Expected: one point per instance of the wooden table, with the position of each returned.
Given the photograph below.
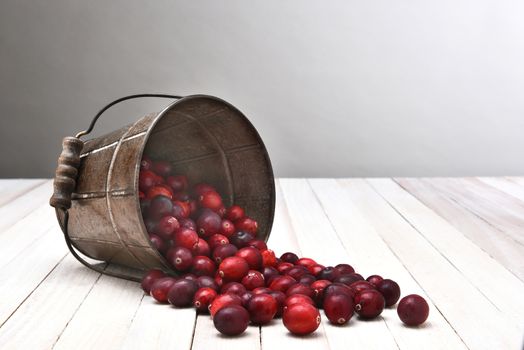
(457, 242)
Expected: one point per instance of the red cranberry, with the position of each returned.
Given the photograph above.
(217, 240)
(221, 211)
(258, 244)
(315, 270)
(202, 188)
(187, 223)
(261, 290)
(158, 243)
(166, 226)
(231, 320)
(374, 280)
(306, 262)
(360, 286)
(319, 288)
(298, 298)
(201, 248)
(390, 290)
(280, 298)
(253, 279)
(180, 258)
(208, 223)
(177, 183)
(180, 211)
(159, 190)
(328, 273)
(162, 168)
(270, 273)
(307, 279)
(348, 279)
(203, 298)
(233, 288)
(269, 258)
(369, 303)
(223, 301)
(182, 292)
(203, 266)
(160, 288)
(252, 257)
(146, 163)
(345, 269)
(233, 268)
(413, 310)
(241, 239)
(211, 200)
(227, 228)
(186, 238)
(296, 271)
(246, 297)
(160, 206)
(235, 213)
(150, 278)
(282, 283)
(207, 282)
(146, 180)
(190, 276)
(224, 251)
(338, 288)
(262, 308)
(289, 257)
(338, 308)
(300, 289)
(301, 319)
(284, 267)
(247, 224)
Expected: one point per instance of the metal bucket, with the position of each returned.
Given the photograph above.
(96, 182)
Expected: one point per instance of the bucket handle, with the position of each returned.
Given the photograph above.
(65, 180)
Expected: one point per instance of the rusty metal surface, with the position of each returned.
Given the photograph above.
(203, 137)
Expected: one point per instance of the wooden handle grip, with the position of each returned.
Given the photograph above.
(66, 173)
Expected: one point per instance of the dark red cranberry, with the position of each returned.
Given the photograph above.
(202, 188)
(159, 190)
(284, 267)
(203, 298)
(374, 280)
(233, 268)
(201, 248)
(186, 238)
(182, 196)
(203, 266)
(190, 276)
(160, 206)
(247, 224)
(315, 270)
(161, 287)
(339, 288)
(262, 308)
(301, 319)
(241, 239)
(348, 279)
(207, 282)
(252, 257)
(177, 183)
(269, 274)
(224, 300)
(413, 310)
(338, 308)
(246, 297)
(186, 208)
(345, 269)
(253, 279)
(158, 242)
(211, 200)
(298, 288)
(227, 228)
(298, 298)
(269, 258)
(162, 168)
(258, 244)
(235, 213)
(208, 223)
(187, 223)
(296, 271)
(231, 320)
(180, 212)
(217, 240)
(261, 290)
(306, 262)
(150, 277)
(180, 258)
(233, 288)
(224, 251)
(390, 290)
(369, 303)
(289, 257)
(146, 180)
(282, 283)
(166, 226)
(328, 273)
(359, 286)
(182, 292)
(146, 163)
(280, 297)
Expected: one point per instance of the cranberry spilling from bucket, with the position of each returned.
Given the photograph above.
(203, 298)
(262, 308)
(301, 318)
(160, 289)
(338, 308)
(413, 310)
(369, 303)
(233, 268)
(182, 292)
(390, 290)
(231, 320)
(150, 278)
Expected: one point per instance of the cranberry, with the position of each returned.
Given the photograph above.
(280, 298)
(247, 224)
(262, 308)
(186, 238)
(284, 267)
(203, 266)
(246, 297)
(182, 292)
(328, 273)
(289, 257)
(282, 283)
(177, 183)
(217, 240)
(307, 279)
(359, 286)
(234, 213)
(270, 273)
(146, 163)
(306, 262)
(298, 298)
(374, 280)
(390, 290)
(160, 288)
(203, 188)
(301, 319)
(183, 197)
(253, 279)
(233, 288)
(150, 278)
(186, 208)
(258, 244)
(166, 226)
(345, 269)
(319, 288)
(207, 282)
(348, 279)
(224, 251)
(227, 228)
(180, 258)
(221, 211)
(252, 257)
(201, 248)
(241, 239)
(231, 320)
(158, 242)
(146, 180)
(315, 270)
(190, 276)
(233, 268)
(300, 289)
(223, 301)
(211, 200)
(369, 303)
(162, 168)
(413, 310)
(338, 308)
(159, 190)
(187, 223)
(261, 290)
(160, 206)
(269, 258)
(208, 223)
(296, 271)
(180, 212)
(203, 298)
(338, 288)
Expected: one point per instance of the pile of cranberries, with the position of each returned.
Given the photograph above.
(224, 270)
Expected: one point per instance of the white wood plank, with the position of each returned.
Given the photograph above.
(42, 317)
(12, 188)
(469, 312)
(488, 237)
(507, 186)
(318, 240)
(373, 256)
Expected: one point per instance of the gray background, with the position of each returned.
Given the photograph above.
(338, 88)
